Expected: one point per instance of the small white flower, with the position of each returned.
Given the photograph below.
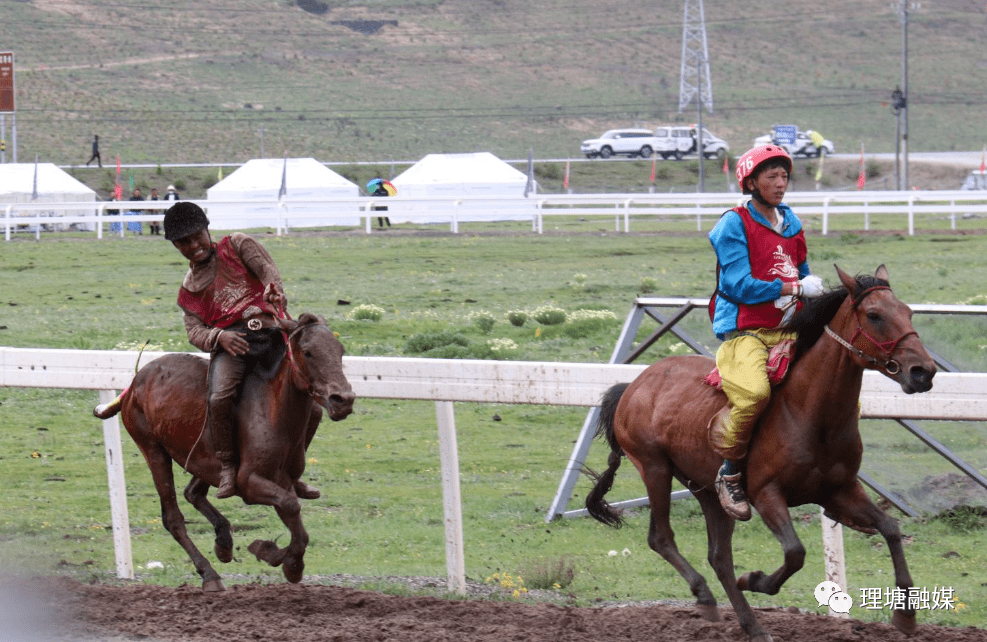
(151, 565)
(612, 554)
(626, 552)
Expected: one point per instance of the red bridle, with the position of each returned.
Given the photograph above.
(887, 347)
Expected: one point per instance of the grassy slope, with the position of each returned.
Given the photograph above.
(379, 470)
(198, 83)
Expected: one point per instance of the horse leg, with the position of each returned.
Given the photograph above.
(773, 509)
(719, 532)
(661, 538)
(259, 490)
(196, 493)
(856, 507)
(160, 464)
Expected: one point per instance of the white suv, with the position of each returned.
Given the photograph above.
(629, 142)
(676, 142)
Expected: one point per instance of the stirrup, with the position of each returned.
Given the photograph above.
(732, 496)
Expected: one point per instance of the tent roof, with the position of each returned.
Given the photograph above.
(18, 178)
(265, 174)
(481, 167)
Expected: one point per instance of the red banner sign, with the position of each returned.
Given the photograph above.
(7, 82)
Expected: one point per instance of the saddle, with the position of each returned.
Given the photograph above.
(779, 359)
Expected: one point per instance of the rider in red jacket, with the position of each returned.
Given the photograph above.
(762, 272)
(232, 297)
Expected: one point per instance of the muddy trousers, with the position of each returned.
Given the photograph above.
(742, 361)
(226, 374)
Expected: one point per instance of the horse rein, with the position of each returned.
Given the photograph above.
(295, 369)
(891, 366)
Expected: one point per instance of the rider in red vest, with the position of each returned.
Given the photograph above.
(232, 297)
(762, 274)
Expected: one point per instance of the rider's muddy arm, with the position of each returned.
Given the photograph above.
(199, 334)
(257, 259)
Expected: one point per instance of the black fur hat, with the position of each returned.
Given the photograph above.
(183, 219)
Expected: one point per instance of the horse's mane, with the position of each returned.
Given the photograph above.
(816, 313)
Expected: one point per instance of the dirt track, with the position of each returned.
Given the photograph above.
(62, 610)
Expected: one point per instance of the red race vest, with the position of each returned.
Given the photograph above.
(772, 256)
(234, 289)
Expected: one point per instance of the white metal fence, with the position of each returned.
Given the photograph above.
(955, 396)
(623, 208)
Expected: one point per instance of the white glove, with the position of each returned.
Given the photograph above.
(787, 305)
(811, 287)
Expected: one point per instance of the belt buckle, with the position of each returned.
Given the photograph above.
(254, 324)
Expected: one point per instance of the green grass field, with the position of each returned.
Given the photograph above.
(381, 510)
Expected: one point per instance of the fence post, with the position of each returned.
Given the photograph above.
(451, 498)
(835, 561)
(118, 491)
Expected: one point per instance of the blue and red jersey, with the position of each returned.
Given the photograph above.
(754, 261)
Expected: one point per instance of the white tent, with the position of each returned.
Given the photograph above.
(480, 175)
(20, 181)
(255, 187)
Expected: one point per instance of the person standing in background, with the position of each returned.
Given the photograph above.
(155, 225)
(136, 226)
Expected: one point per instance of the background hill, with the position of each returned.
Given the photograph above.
(192, 82)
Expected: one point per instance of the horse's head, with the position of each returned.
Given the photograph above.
(877, 330)
(317, 364)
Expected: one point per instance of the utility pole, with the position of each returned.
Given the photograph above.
(901, 8)
(695, 79)
(700, 146)
(261, 132)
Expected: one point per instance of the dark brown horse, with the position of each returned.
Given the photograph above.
(164, 410)
(806, 447)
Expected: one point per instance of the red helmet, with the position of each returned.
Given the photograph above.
(754, 157)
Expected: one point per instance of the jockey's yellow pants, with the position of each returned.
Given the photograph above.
(742, 361)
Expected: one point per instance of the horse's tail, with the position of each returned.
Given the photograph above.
(598, 508)
(110, 409)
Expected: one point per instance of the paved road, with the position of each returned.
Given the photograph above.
(961, 159)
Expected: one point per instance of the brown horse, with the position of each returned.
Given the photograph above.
(164, 410)
(806, 447)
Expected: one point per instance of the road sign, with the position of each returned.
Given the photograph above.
(7, 82)
(785, 134)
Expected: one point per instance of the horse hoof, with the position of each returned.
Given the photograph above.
(708, 612)
(213, 586)
(293, 572)
(744, 582)
(904, 622)
(223, 553)
(762, 637)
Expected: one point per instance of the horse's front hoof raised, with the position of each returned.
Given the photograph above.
(904, 622)
(267, 551)
(747, 581)
(213, 586)
(708, 612)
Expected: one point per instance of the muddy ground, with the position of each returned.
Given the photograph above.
(64, 610)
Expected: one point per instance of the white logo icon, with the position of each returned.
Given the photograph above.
(830, 594)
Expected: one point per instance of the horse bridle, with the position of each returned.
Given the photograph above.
(891, 366)
(295, 368)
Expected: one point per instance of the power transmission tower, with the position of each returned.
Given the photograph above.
(695, 59)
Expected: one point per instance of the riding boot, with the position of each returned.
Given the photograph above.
(304, 491)
(227, 476)
(222, 434)
(729, 487)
